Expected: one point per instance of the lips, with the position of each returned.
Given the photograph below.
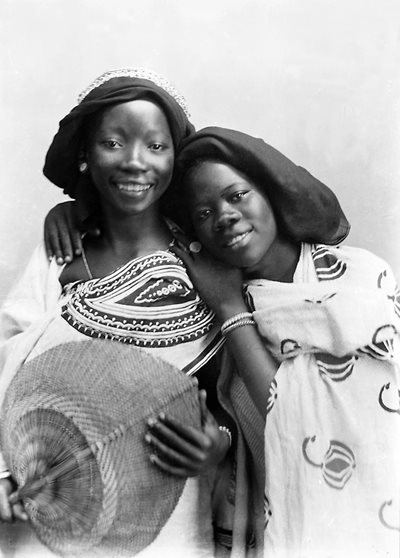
(237, 240)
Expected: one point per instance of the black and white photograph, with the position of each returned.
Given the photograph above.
(199, 270)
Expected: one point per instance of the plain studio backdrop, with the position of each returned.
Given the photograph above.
(317, 79)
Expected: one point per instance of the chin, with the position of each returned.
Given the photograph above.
(245, 261)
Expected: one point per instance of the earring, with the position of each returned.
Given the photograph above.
(195, 247)
(83, 167)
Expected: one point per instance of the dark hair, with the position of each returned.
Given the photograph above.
(174, 200)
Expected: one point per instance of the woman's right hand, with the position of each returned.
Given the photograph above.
(61, 233)
(186, 451)
(219, 285)
(10, 508)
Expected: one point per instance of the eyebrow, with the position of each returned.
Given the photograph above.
(199, 204)
(120, 128)
(156, 131)
(238, 183)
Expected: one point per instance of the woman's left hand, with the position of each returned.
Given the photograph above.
(183, 450)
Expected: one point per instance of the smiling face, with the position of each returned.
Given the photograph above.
(234, 220)
(130, 155)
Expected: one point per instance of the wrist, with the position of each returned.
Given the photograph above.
(226, 440)
(228, 310)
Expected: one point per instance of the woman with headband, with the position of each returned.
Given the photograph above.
(114, 153)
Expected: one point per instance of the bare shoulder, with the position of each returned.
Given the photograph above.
(75, 271)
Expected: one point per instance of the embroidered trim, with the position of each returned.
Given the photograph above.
(148, 302)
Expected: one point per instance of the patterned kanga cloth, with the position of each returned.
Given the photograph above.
(150, 303)
(332, 438)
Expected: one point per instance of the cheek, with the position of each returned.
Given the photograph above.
(169, 167)
(165, 177)
(268, 233)
(96, 171)
(165, 169)
(199, 232)
(168, 160)
(266, 217)
(204, 233)
(99, 161)
(99, 175)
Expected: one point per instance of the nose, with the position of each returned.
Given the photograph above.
(226, 216)
(134, 158)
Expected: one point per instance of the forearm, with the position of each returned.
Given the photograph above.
(221, 288)
(254, 363)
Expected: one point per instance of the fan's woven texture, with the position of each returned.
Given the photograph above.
(72, 432)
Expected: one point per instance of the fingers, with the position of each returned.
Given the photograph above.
(208, 420)
(174, 462)
(188, 256)
(58, 243)
(70, 234)
(184, 450)
(52, 243)
(5, 508)
(189, 248)
(184, 439)
(76, 241)
(19, 512)
(66, 245)
(178, 449)
(13, 498)
(61, 233)
(182, 253)
(172, 470)
(180, 237)
(167, 454)
(15, 508)
(204, 412)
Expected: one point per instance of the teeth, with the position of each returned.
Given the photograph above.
(237, 239)
(133, 187)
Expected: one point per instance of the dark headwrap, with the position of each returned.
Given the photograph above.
(306, 210)
(111, 88)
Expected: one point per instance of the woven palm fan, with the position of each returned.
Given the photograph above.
(72, 433)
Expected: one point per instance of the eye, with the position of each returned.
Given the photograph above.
(202, 215)
(237, 196)
(112, 144)
(157, 147)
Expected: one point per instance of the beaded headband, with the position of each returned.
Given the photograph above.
(140, 73)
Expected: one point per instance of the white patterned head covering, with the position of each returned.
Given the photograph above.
(140, 73)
